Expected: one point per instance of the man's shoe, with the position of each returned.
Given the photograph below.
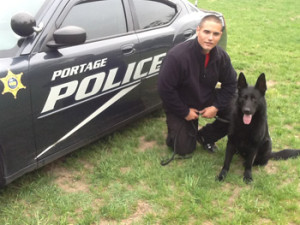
(211, 147)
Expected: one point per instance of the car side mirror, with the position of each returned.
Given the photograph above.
(68, 36)
(23, 24)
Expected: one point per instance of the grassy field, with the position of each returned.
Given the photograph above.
(119, 180)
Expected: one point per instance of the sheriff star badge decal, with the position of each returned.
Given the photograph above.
(12, 83)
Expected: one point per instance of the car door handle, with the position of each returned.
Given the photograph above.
(188, 33)
(128, 49)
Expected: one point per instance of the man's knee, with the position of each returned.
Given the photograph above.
(181, 135)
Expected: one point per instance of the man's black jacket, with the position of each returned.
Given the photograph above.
(184, 83)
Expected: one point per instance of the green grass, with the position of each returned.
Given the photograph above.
(119, 180)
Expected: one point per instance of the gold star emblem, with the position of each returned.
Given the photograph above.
(12, 83)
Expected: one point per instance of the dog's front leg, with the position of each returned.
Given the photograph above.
(230, 151)
(248, 166)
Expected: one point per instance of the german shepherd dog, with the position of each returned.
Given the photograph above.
(248, 133)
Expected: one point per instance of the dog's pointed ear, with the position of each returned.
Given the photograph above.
(242, 83)
(261, 83)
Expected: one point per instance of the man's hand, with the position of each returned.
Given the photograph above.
(193, 114)
(209, 112)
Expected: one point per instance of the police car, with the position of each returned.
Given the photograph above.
(72, 71)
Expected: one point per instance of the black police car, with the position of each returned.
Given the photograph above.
(72, 71)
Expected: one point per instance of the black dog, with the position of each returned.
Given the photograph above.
(248, 132)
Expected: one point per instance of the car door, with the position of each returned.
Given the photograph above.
(157, 32)
(82, 92)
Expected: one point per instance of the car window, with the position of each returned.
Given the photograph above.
(98, 18)
(153, 13)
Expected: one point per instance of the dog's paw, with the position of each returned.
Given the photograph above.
(221, 176)
(248, 177)
(248, 180)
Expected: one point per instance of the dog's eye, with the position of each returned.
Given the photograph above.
(253, 98)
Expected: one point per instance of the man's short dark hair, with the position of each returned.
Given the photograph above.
(211, 17)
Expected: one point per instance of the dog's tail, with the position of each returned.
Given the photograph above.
(285, 154)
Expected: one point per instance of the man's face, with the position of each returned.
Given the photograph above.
(209, 34)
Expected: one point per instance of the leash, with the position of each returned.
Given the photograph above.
(218, 118)
(165, 162)
(222, 120)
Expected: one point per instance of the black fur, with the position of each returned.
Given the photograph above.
(248, 133)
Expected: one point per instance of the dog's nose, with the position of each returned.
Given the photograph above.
(247, 111)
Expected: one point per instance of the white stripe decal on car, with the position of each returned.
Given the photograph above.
(111, 101)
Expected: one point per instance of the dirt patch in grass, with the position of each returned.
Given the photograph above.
(125, 170)
(264, 221)
(67, 179)
(70, 181)
(86, 164)
(289, 127)
(271, 83)
(271, 167)
(143, 208)
(145, 145)
(235, 195)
